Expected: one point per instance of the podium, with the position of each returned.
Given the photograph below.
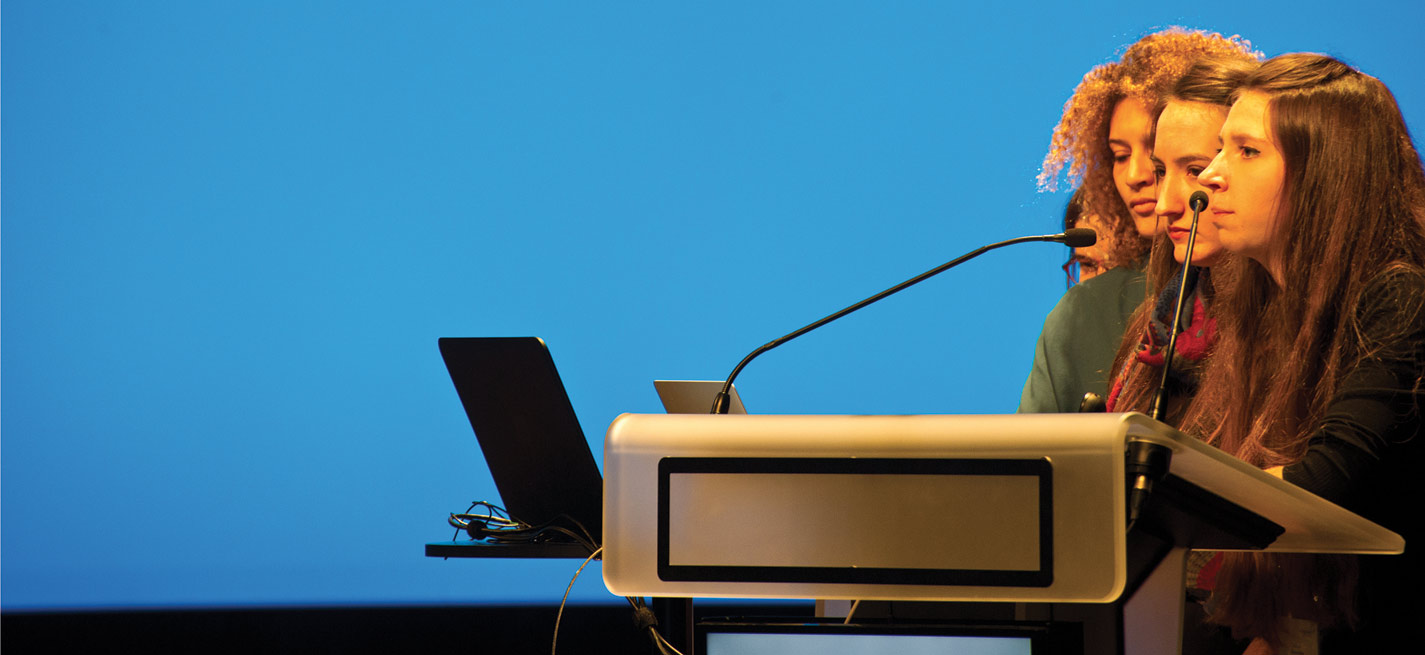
(1018, 509)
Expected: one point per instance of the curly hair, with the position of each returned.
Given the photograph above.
(1146, 72)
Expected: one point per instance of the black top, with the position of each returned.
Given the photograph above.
(1366, 456)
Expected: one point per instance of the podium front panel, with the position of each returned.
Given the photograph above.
(1006, 508)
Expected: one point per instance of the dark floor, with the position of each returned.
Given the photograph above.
(473, 629)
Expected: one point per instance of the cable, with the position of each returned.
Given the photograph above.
(498, 526)
(583, 530)
(493, 514)
(645, 619)
(851, 612)
(661, 643)
(560, 616)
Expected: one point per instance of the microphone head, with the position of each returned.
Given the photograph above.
(1079, 237)
(1197, 201)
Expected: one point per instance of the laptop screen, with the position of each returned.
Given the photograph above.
(531, 439)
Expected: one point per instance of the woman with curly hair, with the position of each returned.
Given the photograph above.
(1104, 143)
(1320, 361)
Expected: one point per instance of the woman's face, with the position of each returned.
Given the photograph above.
(1130, 130)
(1246, 181)
(1185, 144)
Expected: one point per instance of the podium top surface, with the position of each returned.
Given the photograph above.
(1312, 524)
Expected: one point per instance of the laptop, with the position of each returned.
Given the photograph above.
(695, 396)
(527, 429)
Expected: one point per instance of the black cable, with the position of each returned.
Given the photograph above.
(554, 644)
(643, 617)
(582, 529)
(461, 522)
(534, 536)
(468, 510)
(645, 620)
(507, 529)
(510, 530)
(661, 643)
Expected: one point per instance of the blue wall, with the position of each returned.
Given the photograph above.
(232, 233)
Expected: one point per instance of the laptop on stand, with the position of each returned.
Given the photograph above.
(531, 439)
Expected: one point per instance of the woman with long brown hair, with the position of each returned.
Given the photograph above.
(1321, 350)
(1186, 129)
(1185, 140)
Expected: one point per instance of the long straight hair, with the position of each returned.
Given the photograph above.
(1354, 208)
(1353, 211)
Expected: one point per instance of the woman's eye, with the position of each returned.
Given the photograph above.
(1159, 172)
(1194, 171)
(1249, 152)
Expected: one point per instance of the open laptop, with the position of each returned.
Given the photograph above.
(527, 429)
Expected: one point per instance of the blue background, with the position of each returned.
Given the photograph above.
(232, 233)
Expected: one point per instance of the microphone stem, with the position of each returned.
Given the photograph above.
(723, 400)
(1147, 463)
(1160, 398)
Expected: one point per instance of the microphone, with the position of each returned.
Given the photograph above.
(1198, 202)
(1147, 463)
(1078, 237)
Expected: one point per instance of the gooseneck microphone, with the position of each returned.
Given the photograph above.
(1198, 202)
(1079, 237)
(1147, 463)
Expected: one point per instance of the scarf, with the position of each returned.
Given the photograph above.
(1194, 340)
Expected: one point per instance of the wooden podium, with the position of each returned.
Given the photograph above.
(1019, 509)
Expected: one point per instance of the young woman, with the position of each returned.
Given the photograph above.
(1321, 351)
(1185, 142)
(1103, 142)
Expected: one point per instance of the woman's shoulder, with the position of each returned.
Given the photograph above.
(1108, 298)
(1391, 307)
(1111, 284)
(1399, 289)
